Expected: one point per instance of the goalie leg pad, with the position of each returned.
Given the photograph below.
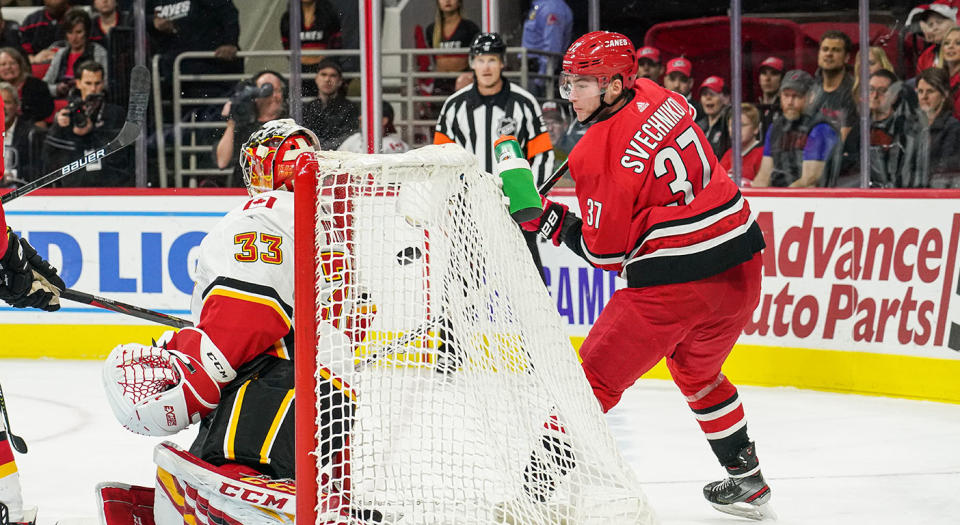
(122, 504)
(189, 488)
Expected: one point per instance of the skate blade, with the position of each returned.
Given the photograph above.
(746, 510)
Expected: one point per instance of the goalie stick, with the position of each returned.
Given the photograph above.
(136, 114)
(124, 308)
(18, 443)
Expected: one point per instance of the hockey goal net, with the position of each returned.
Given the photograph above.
(435, 381)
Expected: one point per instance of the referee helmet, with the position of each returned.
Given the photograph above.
(488, 44)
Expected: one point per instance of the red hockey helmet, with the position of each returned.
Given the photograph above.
(600, 54)
(268, 157)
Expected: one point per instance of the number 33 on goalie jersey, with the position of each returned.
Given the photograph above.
(243, 296)
(656, 203)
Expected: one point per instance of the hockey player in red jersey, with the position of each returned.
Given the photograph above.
(233, 372)
(26, 281)
(659, 209)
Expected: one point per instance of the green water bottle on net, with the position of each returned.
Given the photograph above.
(514, 169)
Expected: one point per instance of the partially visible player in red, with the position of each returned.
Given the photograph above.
(26, 280)
(658, 208)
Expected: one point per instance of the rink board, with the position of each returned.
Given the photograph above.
(859, 292)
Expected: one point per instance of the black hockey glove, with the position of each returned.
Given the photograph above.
(551, 221)
(26, 280)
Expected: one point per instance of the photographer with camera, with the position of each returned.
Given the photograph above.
(252, 103)
(85, 125)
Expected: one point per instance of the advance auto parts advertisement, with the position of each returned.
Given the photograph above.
(842, 271)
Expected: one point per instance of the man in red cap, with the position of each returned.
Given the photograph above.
(771, 74)
(714, 120)
(660, 209)
(679, 79)
(648, 63)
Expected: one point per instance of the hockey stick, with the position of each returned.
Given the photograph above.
(136, 114)
(18, 443)
(395, 346)
(123, 308)
(557, 175)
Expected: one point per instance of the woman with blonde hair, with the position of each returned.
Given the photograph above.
(950, 61)
(877, 59)
(450, 30)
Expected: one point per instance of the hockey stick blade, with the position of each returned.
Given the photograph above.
(124, 308)
(136, 114)
(18, 443)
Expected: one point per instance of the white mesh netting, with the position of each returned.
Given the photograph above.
(470, 404)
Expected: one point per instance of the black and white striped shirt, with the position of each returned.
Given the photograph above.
(475, 121)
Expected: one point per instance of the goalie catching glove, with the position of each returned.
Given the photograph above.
(26, 280)
(552, 223)
(158, 392)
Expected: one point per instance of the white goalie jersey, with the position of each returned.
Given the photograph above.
(243, 296)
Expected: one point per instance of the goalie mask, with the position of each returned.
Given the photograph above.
(268, 157)
(593, 62)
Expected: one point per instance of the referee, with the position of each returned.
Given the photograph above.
(478, 114)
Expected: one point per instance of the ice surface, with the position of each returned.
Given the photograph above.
(830, 458)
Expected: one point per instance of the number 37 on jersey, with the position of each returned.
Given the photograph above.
(680, 162)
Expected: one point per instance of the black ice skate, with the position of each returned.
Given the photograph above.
(744, 493)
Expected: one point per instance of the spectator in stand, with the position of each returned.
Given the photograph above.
(950, 58)
(933, 19)
(391, 142)
(60, 76)
(450, 30)
(877, 60)
(933, 91)
(320, 29)
(556, 126)
(898, 135)
(9, 33)
(41, 28)
(548, 27)
(648, 64)
(751, 148)
(36, 104)
(86, 124)
(331, 116)
(17, 160)
(176, 26)
(798, 144)
(247, 113)
(679, 79)
(833, 91)
(107, 18)
(771, 73)
(715, 119)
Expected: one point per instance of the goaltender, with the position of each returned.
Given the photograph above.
(233, 372)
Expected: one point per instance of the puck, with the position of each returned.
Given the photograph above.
(408, 255)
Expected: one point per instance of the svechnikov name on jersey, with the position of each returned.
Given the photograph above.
(654, 129)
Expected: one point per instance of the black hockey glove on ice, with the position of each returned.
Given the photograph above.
(26, 280)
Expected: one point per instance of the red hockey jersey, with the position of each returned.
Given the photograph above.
(656, 204)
